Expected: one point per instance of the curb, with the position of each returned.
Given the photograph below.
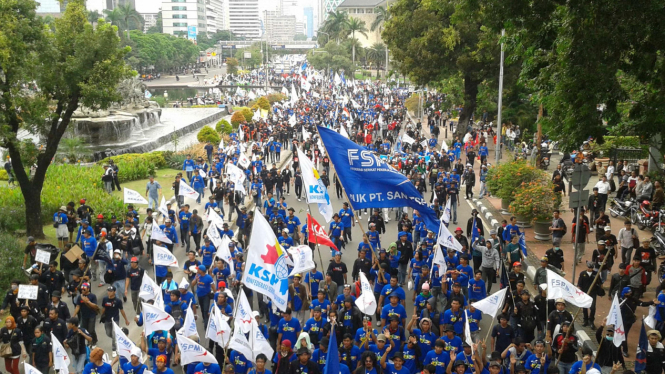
(531, 274)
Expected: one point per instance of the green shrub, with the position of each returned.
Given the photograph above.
(237, 118)
(156, 158)
(208, 134)
(3, 175)
(276, 97)
(411, 103)
(134, 166)
(247, 113)
(64, 183)
(224, 127)
(263, 103)
(11, 254)
(161, 100)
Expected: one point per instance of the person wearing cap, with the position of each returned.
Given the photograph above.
(397, 366)
(647, 256)
(169, 231)
(133, 282)
(30, 251)
(230, 369)
(60, 221)
(314, 325)
(97, 364)
(380, 346)
(320, 353)
(603, 260)
(557, 317)
(160, 350)
(281, 361)
(465, 361)
(57, 304)
(393, 308)
(134, 365)
(298, 298)
(608, 354)
(555, 258)
(338, 271)
(347, 218)
(439, 357)
(111, 309)
(587, 361)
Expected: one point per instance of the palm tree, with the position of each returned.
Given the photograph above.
(127, 14)
(93, 17)
(335, 24)
(382, 15)
(113, 17)
(356, 25)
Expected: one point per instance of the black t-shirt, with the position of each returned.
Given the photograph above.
(135, 278)
(112, 308)
(453, 192)
(338, 271)
(503, 337)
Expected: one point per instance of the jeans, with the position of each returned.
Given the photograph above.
(189, 176)
(279, 192)
(184, 235)
(401, 278)
(564, 368)
(108, 186)
(201, 191)
(298, 188)
(119, 285)
(626, 255)
(581, 248)
(108, 327)
(453, 211)
(90, 325)
(483, 189)
(135, 301)
(416, 237)
(78, 363)
(197, 240)
(151, 201)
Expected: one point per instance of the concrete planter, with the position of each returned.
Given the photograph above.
(542, 230)
(504, 206)
(523, 222)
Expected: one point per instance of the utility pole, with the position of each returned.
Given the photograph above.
(497, 150)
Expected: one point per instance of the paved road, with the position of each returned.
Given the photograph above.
(186, 79)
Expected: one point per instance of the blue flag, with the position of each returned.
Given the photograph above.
(371, 183)
(523, 244)
(332, 357)
(474, 231)
(642, 347)
(505, 282)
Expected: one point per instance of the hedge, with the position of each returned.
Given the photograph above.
(133, 166)
(12, 255)
(64, 183)
(247, 113)
(208, 134)
(224, 127)
(237, 118)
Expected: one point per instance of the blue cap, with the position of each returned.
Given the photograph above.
(393, 294)
(202, 267)
(335, 253)
(625, 290)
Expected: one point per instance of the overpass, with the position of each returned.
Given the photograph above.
(300, 44)
(205, 87)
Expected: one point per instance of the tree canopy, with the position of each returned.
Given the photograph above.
(160, 50)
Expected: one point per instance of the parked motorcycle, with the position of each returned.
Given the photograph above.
(621, 208)
(645, 218)
(658, 244)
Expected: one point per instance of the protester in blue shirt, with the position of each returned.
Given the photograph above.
(438, 357)
(347, 217)
(288, 327)
(188, 166)
(204, 286)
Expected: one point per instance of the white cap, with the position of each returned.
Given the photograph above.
(255, 314)
(543, 286)
(136, 351)
(184, 284)
(117, 251)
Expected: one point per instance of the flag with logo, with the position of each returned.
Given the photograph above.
(445, 217)
(149, 289)
(218, 330)
(302, 259)
(29, 369)
(259, 342)
(124, 344)
(317, 234)
(191, 351)
(559, 288)
(367, 301)
(163, 208)
(187, 191)
(164, 257)
(440, 260)
(614, 318)
(158, 234)
(243, 314)
(447, 240)
(239, 343)
(61, 360)
(492, 303)
(243, 161)
(133, 197)
(315, 189)
(222, 246)
(642, 349)
(266, 268)
(155, 319)
(189, 324)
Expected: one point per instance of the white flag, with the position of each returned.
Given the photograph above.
(125, 346)
(407, 139)
(292, 120)
(149, 289)
(366, 302)
(221, 143)
(650, 320)
(156, 319)
(266, 269)
(191, 351)
(159, 300)
(29, 369)
(444, 146)
(222, 246)
(440, 259)
(189, 325)
(158, 234)
(305, 134)
(257, 116)
(467, 330)
(187, 191)
(614, 318)
(241, 134)
(302, 259)
(446, 239)
(235, 174)
(559, 288)
(243, 316)
(163, 257)
(258, 342)
(202, 174)
(218, 330)
(239, 343)
(243, 160)
(445, 216)
(214, 219)
(492, 303)
(163, 209)
(342, 131)
(315, 189)
(61, 359)
(133, 197)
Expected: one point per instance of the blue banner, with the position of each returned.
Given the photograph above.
(370, 182)
(642, 348)
(522, 243)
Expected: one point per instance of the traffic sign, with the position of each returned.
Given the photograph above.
(580, 177)
(578, 199)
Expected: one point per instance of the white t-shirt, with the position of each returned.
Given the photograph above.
(603, 187)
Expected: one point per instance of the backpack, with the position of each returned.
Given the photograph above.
(176, 313)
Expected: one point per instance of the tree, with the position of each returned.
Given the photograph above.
(435, 40)
(158, 28)
(94, 16)
(333, 56)
(46, 76)
(300, 37)
(382, 15)
(114, 17)
(354, 26)
(377, 54)
(335, 25)
(578, 55)
(232, 65)
(129, 15)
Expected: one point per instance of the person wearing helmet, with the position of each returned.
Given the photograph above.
(84, 211)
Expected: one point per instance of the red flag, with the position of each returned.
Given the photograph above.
(317, 234)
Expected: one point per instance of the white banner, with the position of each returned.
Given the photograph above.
(559, 288)
(446, 239)
(492, 303)
(222, 246)
(314, 188)
(133, 197)
(187, 191)
(29, 369)
(158, 234)
(407, 139)
(367, 301)
(162, 209)
(124, 344)
(163, 257)
(61, 360)
(149, 289)
(266, 269)
(191, 351)
(243, 160)
(445, 217)
(243, 316)
(302, 259)
(259, 342)
(239, 343)
(614, 318)
(218, 330)
(440, 259)
(189, 324)
(214, 219)
(155, 319)
(467, 330)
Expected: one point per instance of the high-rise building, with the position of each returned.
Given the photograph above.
(215, 16)
(330, 6)
(179, 15)
(309, 21)
(244, 18)
(150, 20)
(279, 27)
(48, 6)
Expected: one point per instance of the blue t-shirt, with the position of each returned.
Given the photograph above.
(154, 352)
(454, 318)
(477, 289)
(378, 286)
(577, 367)
(203, 285)
(324, 306)
(390, 369)
(289, 329)
(388, 289)
(240, 362)
(319, 357)
(409, 355)
(210, 369)
(128, 368)
(313, 327)
(208, 253)
(474, 319)
(346, 216)
(440, 361)
(353, 356)
(533, 363)
(425, 340)
(389, 311)
(91, 368)
(184, 219)
(454, 344)
(468, 360)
